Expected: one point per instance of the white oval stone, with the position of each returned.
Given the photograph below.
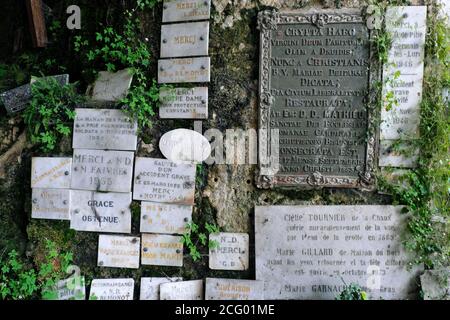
(184, 145)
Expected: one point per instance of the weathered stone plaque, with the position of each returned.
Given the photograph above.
(164, 217)
(306, 252)
(73, 288)
(232, 252)
(112, 289)
(118, 251)
(162, 250)
(233, 289)
(314, 82)
(160, 180)
(100, 211)
(184, 70)
(435, 284)
(104, 129)
(182, 290)
(184, 145)
(16, 99)
(184, 103)
(185, 39)
(53, 173)
(184, 10)
(112, 86)
(98, 170)
(50, 204)
(150, 287)
(402, 79)
(62, 79)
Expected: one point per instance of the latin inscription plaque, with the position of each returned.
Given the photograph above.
(314, 83)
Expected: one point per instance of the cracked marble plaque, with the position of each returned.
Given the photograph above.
(182, 290)
(98, 170)
(315, 78)
(231, 252)
(112, 86)
(184, 39)
(233, 289)
(150, 287)
(162, 250)
(184, 103)
(51, 204)
(304, 252)
(402, 78)
(186, 10)
(104, 129)
(52, 173)
(184, 70)
(164, 218)
(160, 180)
(112, 289)
(100, 211)
(118, 251)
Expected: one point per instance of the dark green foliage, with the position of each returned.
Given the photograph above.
(50, 115)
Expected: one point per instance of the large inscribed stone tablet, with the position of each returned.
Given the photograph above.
(306, 252)
(402, 78)
(104, 129)
(314, 82)
(98, 170)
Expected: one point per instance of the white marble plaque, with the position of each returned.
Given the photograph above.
(304, 252)
(183, 290)
(185, 10)
(165, 217)
(98, 170)
(150, 287)
(184, 145)
(50, 204)
(162, 250)
(73, 288)
(100, 211)
(184, 103)
(160, 180)
(104, 129)
(118, 251)
(233, 289)
(53, 173)
(232, 252)
(112, 289)
(184, 39)
(402, 78)
(184, 70)
(111, 86)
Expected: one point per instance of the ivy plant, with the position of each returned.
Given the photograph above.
(193, 237)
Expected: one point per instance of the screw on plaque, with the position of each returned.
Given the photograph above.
(75, 169)
(145, 249)
(203, 101)
(100, 263)
(164, 41)
(203, 67)
(144, 217)
(178, 251)
(186, 219)
(65, 202)
(35, 200)
(66, 173)
(202, 38)
(161, 69)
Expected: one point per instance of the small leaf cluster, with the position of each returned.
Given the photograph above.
(193, 237)
(352, 292)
